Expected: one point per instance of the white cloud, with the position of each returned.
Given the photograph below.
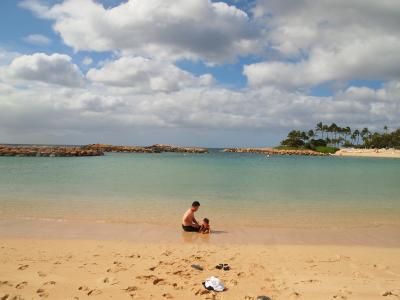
(87, 60)
(361, 59)
(40, 67)
(145, 75)
(37, 39)
(107, 110)
(142, 91)
(328, 41)
(7, 56)
(196, 29)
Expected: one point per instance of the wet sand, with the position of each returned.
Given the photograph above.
(374, 235)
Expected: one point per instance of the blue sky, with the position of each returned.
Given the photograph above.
(22, 23)
(214, 73)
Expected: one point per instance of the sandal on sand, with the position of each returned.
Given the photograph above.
(210, 288)
(197, 267)
(219, 266)
(226, 267)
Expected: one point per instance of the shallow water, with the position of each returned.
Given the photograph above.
(234, 189)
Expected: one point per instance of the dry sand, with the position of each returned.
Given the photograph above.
(388, 153)
(84, 269)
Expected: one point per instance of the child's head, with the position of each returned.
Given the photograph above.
(206, 221)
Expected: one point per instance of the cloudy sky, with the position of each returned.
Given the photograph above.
(195, 72)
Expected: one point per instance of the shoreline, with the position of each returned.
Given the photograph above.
(80, 269)
(373, 236)
(384, 153)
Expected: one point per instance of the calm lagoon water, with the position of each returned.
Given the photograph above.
(233, 188)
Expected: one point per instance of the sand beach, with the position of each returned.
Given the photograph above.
(388, 153)
(99, 269)
(72, 260)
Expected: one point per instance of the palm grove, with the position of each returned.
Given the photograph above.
(327, 138)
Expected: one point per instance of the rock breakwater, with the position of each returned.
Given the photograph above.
(47, 151)
(157, 148)
(272, 151)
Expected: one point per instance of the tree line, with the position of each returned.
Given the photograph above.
(335, 136)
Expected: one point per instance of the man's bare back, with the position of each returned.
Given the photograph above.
(188, 218)
(189, 222)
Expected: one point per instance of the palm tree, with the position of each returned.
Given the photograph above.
(320, 128)
(357, 134)
(311, 134)
(325, 128)
(346, 132)
(385, 128)
(353, 137)
(304, 136)
(333, 129)
(365, 134)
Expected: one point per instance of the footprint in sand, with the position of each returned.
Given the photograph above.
(168, 296)
(202, 292)
(109, 281)
(131, 289)
(41, 274)
(49, 283)
(23, 267)
(21, 285)
(90, 292)
(166, 253)
(176, 287)
(240, 274)
(94, 292)
(5, 283)
(157, 281)
(116, 269)
(42, 293)
(233, 282)
(179, 272)
(389, 293)
(295, 295)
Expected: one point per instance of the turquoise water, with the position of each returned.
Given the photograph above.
(233, 188)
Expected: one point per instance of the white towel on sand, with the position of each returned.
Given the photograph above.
(215, 283)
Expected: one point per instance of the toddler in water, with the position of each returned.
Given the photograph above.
(205, 227)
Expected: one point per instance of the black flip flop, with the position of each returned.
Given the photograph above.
(219, 266)
(210, 288)
(226, 267)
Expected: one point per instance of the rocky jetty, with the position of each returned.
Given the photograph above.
(157, 148)
(47, 151)
(272, 151)
(112, 148)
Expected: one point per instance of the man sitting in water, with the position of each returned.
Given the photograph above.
(189, 222)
